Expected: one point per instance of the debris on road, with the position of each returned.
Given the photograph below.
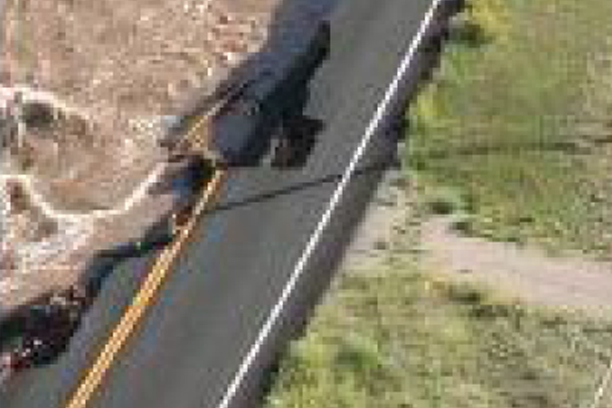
(89, 93)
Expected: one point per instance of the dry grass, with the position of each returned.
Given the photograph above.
(519, 123)
(514, 131)
(400, 339)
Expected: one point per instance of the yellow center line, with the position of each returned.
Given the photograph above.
(142, 300)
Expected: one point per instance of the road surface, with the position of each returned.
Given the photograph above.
(198, 344)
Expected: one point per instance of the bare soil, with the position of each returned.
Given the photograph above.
(570, 282)
(392, 228)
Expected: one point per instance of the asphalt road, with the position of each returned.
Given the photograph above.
(195, 337)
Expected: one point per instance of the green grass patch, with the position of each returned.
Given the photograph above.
(512, 136)
(517, 120)
(407, 340)
(444, 201)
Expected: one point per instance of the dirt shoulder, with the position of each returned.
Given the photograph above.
(527, 273)
(392, 230)
(398, 329)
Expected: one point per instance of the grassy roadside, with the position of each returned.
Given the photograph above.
(406, 340)
(517, 123)
(512, 134)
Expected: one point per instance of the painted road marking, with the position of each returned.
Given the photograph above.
(142, 300)
(300, 266)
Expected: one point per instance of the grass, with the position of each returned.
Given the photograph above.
(444, 201)
(513, 135)
(400, 339)
(518, 119)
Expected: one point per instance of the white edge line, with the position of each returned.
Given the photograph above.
(300, 266)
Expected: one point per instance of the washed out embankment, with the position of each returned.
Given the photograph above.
(89, 172)
(110, 74)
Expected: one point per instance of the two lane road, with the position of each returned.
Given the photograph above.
(267, 247)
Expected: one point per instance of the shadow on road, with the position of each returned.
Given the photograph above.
(269, 195)
(283, 105)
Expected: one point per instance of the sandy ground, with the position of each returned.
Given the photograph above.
(528, 273)
(390, 229)
(110, 72)
(383, 229)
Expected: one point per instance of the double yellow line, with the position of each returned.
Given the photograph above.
(142, 300)
(152, 284)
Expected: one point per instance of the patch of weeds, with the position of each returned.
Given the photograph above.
(360, 355)
(465, 225)
(492, 123)
(464, 30)
(484, 20)
(465, 294)
(381, 245)
(425, 113)
(432, 343)
(444, 201)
